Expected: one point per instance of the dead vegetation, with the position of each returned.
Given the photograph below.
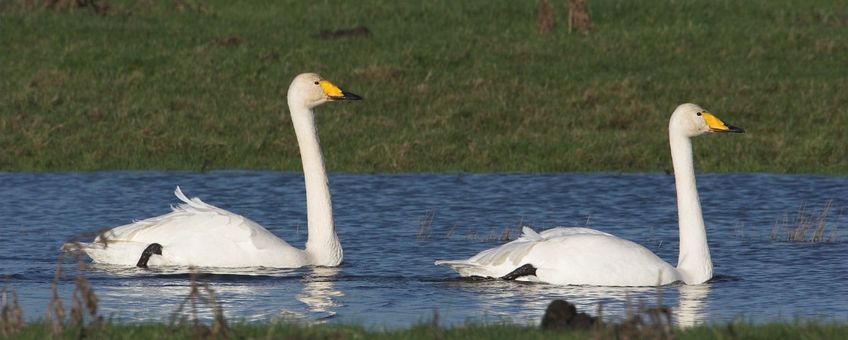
(201, 296)
(579, 20)
(11, 314)
(425, 231)
(545, 18)
(806, 226)
(425, 224)
(83, 319)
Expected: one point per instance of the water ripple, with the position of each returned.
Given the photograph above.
(393, 226)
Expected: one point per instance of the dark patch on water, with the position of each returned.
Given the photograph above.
(724, 278)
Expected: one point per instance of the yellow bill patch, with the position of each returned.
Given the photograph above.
(330, 89)
(714, 122)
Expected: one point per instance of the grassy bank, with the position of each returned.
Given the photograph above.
(449, 85)
(503, 331)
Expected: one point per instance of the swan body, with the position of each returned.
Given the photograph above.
(199, 234)
(582, 256)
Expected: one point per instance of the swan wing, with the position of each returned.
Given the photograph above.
(499, 261)
(568, 231)
(571, 256)
(196, 234)
(598, 259)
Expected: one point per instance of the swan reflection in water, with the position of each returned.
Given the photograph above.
(237, 290)
(319, 292)
(497, 299)
(692, 305)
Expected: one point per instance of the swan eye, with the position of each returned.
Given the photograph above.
(316, 83)
(699, 113)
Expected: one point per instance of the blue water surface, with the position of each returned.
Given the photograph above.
(393, 226)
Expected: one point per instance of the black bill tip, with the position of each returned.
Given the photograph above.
(731, 128)
(347, 96)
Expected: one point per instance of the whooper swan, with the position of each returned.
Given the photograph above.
(202, 235)
(582, 256)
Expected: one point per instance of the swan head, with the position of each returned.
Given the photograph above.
(692, 120)
(310, 90)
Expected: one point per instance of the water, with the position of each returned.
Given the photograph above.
(393, 227)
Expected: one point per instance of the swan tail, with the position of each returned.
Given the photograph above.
(531, 235)
(191, 203)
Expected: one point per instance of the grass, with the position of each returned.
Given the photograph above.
(796, 330)
(449, 85)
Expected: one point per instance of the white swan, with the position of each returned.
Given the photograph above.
(582, 256)
(199, 234)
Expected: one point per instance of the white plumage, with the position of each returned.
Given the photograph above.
(202, 235)
(196, 234)
(582, 256)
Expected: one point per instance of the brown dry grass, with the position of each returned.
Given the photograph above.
(11, 314)
(579, 19)
(201, 294)
(545, 20)
(806, 226)
(82, 317)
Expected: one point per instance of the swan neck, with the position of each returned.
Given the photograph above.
(694, 262)
(322, 244)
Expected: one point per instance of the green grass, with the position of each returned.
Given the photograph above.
(449, 85)
(796, 330)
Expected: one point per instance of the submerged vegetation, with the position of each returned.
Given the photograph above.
(806, 226)
(449, 85)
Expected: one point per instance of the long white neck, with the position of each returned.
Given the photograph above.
(694, 262)
(322, 244)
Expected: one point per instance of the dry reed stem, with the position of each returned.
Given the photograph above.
(821, 223)
(219, 329)
(425, 225)
(805, 226)
(55, 311)
(451, 231)
(578, 17)
(435, 326)
(504, 236)
(83, 313)
(545, 19)
(11, 314)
